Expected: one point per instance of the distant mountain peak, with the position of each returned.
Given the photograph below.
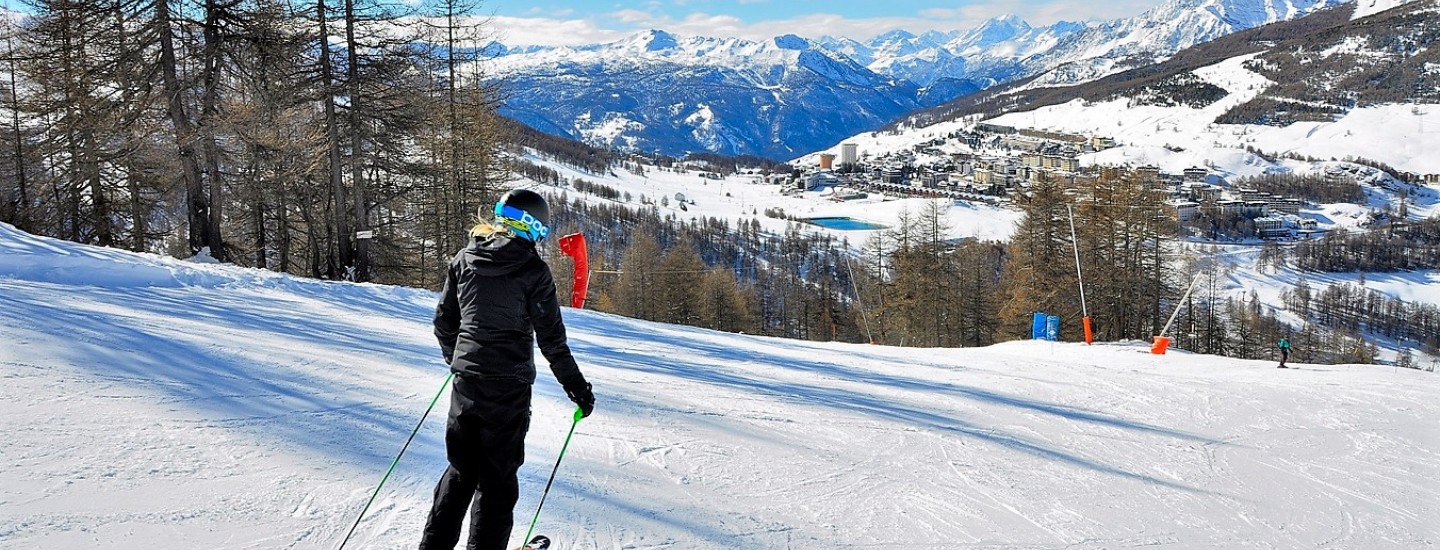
(997, 30)
(1068, 26)
(791, 42)
(1007, 21)
(897, 34)
(653, 40)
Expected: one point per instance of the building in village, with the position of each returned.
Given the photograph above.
(1003, 159)
(849, 154)
(1195, 174)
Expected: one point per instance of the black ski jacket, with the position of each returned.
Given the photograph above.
(497, 293)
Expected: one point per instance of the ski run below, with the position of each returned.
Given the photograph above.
(148, 402)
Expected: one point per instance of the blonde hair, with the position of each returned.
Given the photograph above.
(484, 228)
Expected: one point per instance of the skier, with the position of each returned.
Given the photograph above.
(497, 293)
(1284, 351)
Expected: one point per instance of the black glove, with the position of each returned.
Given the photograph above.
(580, 393)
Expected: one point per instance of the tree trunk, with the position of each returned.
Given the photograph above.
(209, 119)
(198, 203)
(357, 146)
(342, 259)
(22, 207)
(139, 214)
(89, 167)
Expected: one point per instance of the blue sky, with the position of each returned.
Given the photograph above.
(590, 21)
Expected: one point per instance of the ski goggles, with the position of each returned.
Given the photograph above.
(522, 223)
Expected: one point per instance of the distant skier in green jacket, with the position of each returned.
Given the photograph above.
(1284, 351)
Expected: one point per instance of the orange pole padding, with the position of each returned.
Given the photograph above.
(1161, 344)
(573, 245)
(1089, 335)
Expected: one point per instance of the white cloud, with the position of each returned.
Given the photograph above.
(560, 31)
(528, 31)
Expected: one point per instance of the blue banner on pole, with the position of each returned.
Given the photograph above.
(1052, 328)
(1037, 329)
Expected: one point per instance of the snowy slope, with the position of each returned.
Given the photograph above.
(153, 403)
(1404, 136)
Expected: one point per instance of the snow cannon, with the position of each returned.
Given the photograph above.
(1162, 343)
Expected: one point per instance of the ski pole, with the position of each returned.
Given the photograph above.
(579, 413)
(397, 460)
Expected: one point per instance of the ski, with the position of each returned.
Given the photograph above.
(540, 542)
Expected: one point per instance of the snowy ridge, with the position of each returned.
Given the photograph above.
(656, 46)
(658, 92)
(227, 408)
(1155, 35)
(1400, 135)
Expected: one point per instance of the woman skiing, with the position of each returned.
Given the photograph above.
(497, 300)
(1284, 350)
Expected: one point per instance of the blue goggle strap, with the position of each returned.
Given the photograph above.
(522, 222)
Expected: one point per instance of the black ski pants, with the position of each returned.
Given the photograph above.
(485, 444)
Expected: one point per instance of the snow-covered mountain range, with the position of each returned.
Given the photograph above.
(655, 91)
(1329, 86)
(1155, 35)
(658, 92)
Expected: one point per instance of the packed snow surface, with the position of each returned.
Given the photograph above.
(153, 403)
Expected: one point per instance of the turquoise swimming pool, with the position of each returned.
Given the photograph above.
(844, 223)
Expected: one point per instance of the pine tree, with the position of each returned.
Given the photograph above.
(1405, 359)
(680, 276)
(1121, 227)
(978, 268)
(634, 294)
(1037, 276)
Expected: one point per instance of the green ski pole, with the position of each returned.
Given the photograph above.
(579, 413)
(397, 459)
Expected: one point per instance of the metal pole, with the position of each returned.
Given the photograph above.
(1180, 305)
(1076, 242)
(397, 460)
(1084, 308)
(579, 413)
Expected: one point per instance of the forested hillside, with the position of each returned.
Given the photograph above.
(337, 140)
